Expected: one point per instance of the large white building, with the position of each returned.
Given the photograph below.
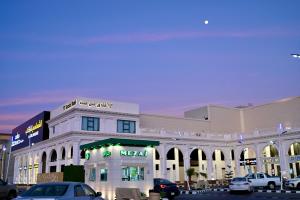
(212, 139)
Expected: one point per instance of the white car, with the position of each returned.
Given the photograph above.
(240, 184)
(293, 183)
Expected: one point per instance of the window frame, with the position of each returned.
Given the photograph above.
(124, 126)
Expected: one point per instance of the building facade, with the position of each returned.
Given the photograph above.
(212, 139)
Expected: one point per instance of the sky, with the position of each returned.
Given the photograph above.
(159, 54)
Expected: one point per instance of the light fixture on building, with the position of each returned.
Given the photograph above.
(295, 55)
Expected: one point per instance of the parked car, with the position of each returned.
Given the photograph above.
(7, 191)
(166, 188)
(293, 183)
(61, 191)
(263, 180)
(240, 184)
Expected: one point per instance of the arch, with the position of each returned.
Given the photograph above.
(294, 165)
(270, 151)
(247, 157)
(175, 164)
(271, 162)
(44, 162)
(71, 152)
(219, 166)
(294, 149)
(63, 153)
(198, 162)
(53, 156)
(157, 155)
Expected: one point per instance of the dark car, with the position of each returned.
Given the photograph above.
(166, 188)
(60, 191)
(7, 191)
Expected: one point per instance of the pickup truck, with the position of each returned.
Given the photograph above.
(7, 191)
(293, 183)
(263, 180)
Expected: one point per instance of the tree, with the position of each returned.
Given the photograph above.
(228, 173)
(191, 172)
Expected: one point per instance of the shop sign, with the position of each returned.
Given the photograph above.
(271, 160)
(32, 128)
(133, 153)
(106, 154)
(69, 105)
(249, 161)
(293, 159)
(103, 104)
(87, 155)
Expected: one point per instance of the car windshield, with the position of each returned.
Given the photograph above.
(165, 181)
(238, 179)
(46, 190)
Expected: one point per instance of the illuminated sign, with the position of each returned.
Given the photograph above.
(133, 153)
(106, 154)
(31, 131)
(271, 160)
(69, 105)
(249, 161)
(104, 104)
(34, 127)
(293, 159)
(87, 155)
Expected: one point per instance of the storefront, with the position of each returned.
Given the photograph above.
(124, 163)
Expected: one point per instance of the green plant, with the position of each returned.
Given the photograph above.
(203, 174)
(228, 173)
(191, 172)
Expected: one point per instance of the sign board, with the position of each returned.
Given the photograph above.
(249, 161)
(32, 131)
(271, 160)
(293, 159)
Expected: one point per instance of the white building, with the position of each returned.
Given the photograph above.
(209, 138)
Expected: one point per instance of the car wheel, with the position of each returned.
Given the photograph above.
(298, 186)
(271, 186)
(12, 195)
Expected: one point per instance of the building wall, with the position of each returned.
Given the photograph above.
(270, 115)
(173, 123)
(224, 120)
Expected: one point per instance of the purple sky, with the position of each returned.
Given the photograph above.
(159, 54)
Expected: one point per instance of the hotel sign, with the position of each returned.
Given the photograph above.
(99, 104)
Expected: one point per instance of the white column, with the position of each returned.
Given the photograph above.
(186, 161)
(210, 169)
(176, 151)
(58, 153)
(237, 162)
(76, 153)
(163, 161)
(258, 159)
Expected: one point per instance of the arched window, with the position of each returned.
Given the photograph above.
(63, 153)
(53, 157)
(44, 158)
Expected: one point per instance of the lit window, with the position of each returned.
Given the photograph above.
(92, 176)
(103, 174)
(90, 123)
(132, 173)
(126, 126)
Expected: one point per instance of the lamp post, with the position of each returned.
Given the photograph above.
(295, 55)
(2, 161)
(281, 130)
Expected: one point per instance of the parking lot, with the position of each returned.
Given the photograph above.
(211, 195)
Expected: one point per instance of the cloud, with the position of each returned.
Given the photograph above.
(15, 116)
(145, 37)
(6, 128)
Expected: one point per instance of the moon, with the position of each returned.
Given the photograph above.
(206, 22)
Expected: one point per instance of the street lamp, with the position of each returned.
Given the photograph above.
(295, 55)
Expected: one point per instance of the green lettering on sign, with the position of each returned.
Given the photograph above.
(133, 153)
(106, 154)
(87, 155)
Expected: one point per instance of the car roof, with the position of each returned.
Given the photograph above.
(60, 183)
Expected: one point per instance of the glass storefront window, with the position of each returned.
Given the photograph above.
(92, 176)
(103, 174)
(132, 173)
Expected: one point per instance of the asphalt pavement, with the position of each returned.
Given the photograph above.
(239, 196)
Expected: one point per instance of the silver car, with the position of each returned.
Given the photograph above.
(60, 191)
(240, 184)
